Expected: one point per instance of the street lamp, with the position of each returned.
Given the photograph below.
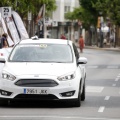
(101, 33)
(92, 30)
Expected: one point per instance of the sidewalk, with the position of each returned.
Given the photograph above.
(104, 48)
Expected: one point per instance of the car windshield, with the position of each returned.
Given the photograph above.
(41, 53)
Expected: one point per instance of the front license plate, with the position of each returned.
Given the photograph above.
(35, 91)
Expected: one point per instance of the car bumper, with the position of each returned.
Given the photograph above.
(63, 91)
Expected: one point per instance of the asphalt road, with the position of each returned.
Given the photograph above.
(102, 95)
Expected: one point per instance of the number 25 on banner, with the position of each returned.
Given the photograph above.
(6, 12)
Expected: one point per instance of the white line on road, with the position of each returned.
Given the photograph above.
(107, 98)
(56, 117)
(113, 85)
(118, 76)
(115, 67)
(101, 109)
(92, 66)
(116, 79)
(94, 89)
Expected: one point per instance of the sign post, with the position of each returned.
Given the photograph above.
(6, 12)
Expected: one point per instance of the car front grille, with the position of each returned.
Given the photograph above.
(36, 97)
(36, 83)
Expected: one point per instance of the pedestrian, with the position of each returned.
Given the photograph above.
(81, 43)
(63, 36)
(3, 41)
(111, 40)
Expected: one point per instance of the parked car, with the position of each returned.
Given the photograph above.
(43, 69)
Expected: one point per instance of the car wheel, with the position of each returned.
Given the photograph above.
(78, 101)
(83, 93)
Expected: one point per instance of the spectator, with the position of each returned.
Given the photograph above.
(3, 41)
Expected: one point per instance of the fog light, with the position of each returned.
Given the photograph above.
(5, 93)
(68, 94)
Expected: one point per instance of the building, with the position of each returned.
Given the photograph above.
(60, 24)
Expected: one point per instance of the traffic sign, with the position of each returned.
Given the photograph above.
(6, 12)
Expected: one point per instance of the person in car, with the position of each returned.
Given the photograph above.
(3, 41)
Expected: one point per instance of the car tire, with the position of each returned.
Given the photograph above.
(78, 101)
(83, 93)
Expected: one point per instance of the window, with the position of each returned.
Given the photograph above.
(67, 9)
(42, 53)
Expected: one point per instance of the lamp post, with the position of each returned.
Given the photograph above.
(101, 34)
(92, 30)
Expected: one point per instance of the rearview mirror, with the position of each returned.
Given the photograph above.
(82, 60)
(2, 59)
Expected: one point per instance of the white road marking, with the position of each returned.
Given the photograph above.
(92, 66)
(107, 98)
(101, 109)
(115, 67)
(113, 85)
(116, 79)
(118, 76)
(56, 117)
(95, 89)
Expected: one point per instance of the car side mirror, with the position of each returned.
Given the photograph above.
(2, 59)
(82, 60)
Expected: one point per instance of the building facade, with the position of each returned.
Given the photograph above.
(62, 26)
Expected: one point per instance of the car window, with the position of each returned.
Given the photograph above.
(76, 51)
(42, 53)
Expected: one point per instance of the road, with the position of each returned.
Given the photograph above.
(102, 94)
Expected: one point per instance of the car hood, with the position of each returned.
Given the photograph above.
(39, 68)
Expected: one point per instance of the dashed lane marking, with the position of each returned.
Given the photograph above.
(107, 98)
(113, 85)
(116, 79)
(112, 67)
(101, 109)
(92, 66)
(103, 66)
(94, 89)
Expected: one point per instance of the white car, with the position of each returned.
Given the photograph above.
(43, 69)
(5, 52)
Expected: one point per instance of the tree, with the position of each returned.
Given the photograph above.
(23, 6)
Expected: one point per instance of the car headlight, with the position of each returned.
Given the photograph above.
(69, 76)
(8, 76)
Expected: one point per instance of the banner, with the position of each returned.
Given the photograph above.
(13, 30)
(10, 42)
(20, 26)
(40, 14)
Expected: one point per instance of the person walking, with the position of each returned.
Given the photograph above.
(81, 43)
(3, 41)
(63, 36)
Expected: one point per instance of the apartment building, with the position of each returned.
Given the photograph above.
(60, 24)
